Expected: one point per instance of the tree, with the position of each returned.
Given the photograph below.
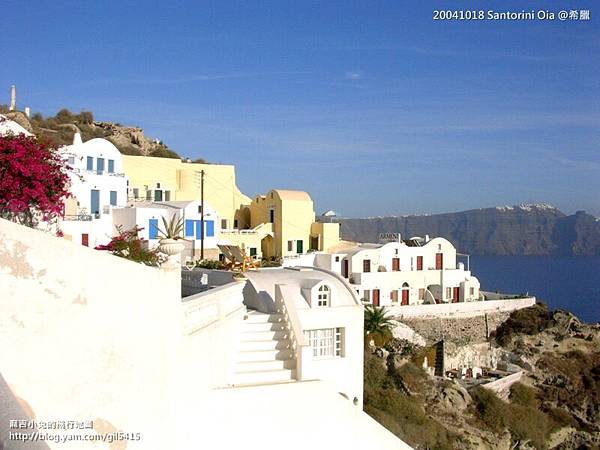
(378, 325)
(33, 180)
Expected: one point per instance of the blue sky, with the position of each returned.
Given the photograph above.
(372, 107)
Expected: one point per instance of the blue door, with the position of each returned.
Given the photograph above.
(198, 229)
(113, 198)
(189, 228)
(95, 202)
(210, 228)
(153, 228)
(111, 166)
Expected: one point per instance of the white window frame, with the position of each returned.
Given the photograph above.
(323, 296)
(326, 343)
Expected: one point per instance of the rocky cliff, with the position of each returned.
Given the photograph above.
(525, 229)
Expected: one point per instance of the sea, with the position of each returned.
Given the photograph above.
(571, 283)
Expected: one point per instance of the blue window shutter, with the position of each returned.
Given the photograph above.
(111, 166)
(210, 228)
(198, 229)
(90, 163)
(189, 228)
(113, 198)
(153, 228)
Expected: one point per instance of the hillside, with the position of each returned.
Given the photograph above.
(556, 405)
(509, 230)
(60, 128)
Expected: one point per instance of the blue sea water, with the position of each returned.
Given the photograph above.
(571, 283)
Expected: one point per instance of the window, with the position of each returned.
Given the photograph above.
(252, 251)
(419, 263)
(326, 342)
(323, 297)
(299, 246)
(366, 265)
(113, 198)
(189, 228)
(290, 246)
(111, 166)
(235, 223)
(71, 160)
(439, 261)
(421, 294)
(337, 259)
(90, 163)
(136, 192)
(224, 224)
(100, 166)
(149, 195)
(394, 296)
(395, 264)
(199, 209)
(272, 216)
(471, 291)
(367, 295)
(448, 292)
(158, 196)
(167, 196)
(157, 185)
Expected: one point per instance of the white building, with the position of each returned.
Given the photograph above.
(412, 272)
(98, 185)
(325, 320)
(149, 215)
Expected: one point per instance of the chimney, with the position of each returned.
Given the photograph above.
(13, 98)
(77, 139)
(27, 111)
(426, 238)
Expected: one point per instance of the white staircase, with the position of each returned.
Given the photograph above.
(264, 352)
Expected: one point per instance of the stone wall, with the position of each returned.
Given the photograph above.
(460, 331)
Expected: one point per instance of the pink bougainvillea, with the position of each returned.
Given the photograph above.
(33, 180)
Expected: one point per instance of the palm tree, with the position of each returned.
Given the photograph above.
(378, 325)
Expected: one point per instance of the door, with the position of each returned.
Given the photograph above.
(395, 264)
(439, 261)
(95, 201)
(394, 296)
(404, 297)
(85, 239)
(376, 297)
(345, 269)
(455, 294)
(419, 263)
(300, 247)
(153, 228)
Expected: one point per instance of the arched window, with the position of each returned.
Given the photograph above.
(323, 298)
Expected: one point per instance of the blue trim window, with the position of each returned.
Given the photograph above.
(100, 166)
(189, 228)
(113, 198)
(90, 163)
(111, 166)
(210, 228)
(153, 228)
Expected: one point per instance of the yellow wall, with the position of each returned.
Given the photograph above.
(183, 180)
(328, 234)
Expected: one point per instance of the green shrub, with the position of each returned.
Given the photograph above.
(210, 264)
(524, 395)
(489, 409)
(528, 321)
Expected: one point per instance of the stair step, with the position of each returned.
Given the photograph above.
(264, 355)
(264, 345)
(263, 335)
(256, 317)
(262, 326)
(260, 366)
(263, 376)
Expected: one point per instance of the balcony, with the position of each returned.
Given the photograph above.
(78, 218)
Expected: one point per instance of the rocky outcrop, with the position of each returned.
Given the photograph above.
(527, 229)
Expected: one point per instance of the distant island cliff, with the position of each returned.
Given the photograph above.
(526, 229)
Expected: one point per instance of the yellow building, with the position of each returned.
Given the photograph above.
(166, 179)
(292, 216)
(281, 223)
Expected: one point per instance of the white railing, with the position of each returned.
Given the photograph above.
(234, 231)
(208, 307)
(285, 306)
